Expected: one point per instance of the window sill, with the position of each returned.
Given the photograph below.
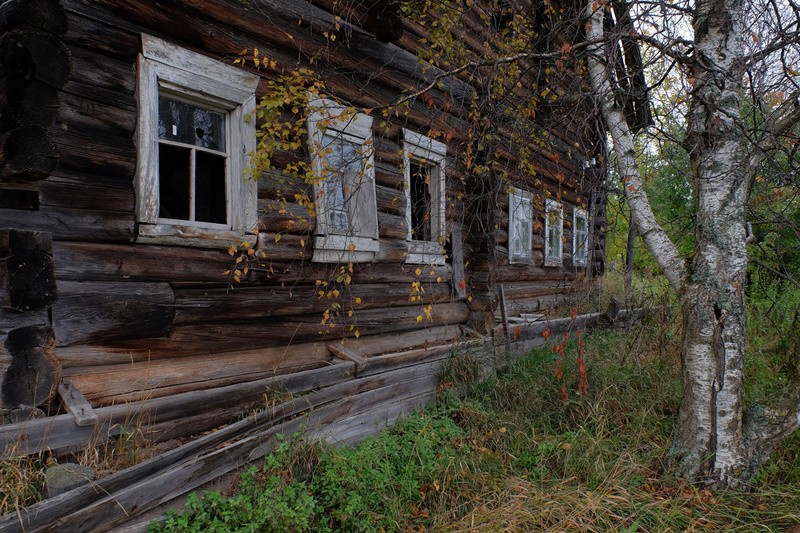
(191, 236)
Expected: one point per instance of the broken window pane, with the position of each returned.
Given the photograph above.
(189, 124)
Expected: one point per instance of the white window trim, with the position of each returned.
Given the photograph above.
(552, 206)
(419, 146)
(582, 259)
(519, 197)
(357, 128)
(163, 65)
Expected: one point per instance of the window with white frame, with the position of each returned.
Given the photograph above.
(580, 237)
(342, 155)
(424, 173)
(553, 232)
(193, 147)
(520, 226)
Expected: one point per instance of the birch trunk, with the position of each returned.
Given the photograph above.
(712, 443)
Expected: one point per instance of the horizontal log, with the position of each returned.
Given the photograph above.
(284, 217)
(198, 305)
(91, 28)
(514, 291)
(330, 406)
(376, 345)
(45, 513)
(555, 327)
(90, 261)
(383, 363)
(96, 116)
(70, 190)
(283, 247)
(276, 185)
(105, 74)
(392, 226)
(537, 304)
(390, 200)
(393, 272)
(282, 331)
(60, 433)
(104, 385)
(103, 311)
(86, 150)
(193, 465)
(47, 15)
(72, 224)
(27, 153)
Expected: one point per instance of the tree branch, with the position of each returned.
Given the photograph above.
(654, 236)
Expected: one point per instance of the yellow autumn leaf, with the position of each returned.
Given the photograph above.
(358, 300)
(418, 272)
(352, 247)
(419, 318)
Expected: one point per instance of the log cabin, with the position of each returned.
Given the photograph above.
(143, 257)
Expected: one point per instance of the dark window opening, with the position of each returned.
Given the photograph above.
(19, 199)
(192, 162)
(174, 182)
(420, 188)
(210, 204)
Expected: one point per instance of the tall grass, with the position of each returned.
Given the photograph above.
(509, 454)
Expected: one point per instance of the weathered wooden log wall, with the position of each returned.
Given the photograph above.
(135, 321)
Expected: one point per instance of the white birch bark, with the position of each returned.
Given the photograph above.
(656, 239)
(711, 443)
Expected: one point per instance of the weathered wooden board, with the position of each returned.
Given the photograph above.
(71, 190)
(198, 304)
(107, 384)
(91, 312)
(64, 223)
(384, 363)
(84, 149)
(84, 261)
(286, 330)
(182, 469)
(377, 345)
(560, 325)
(60, 433)
(75, 403)
(356, 428)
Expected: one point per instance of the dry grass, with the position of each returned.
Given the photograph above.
(22, 481)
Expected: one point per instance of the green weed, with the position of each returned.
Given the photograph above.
(507, 453)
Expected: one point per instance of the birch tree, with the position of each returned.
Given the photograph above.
(717, 442)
